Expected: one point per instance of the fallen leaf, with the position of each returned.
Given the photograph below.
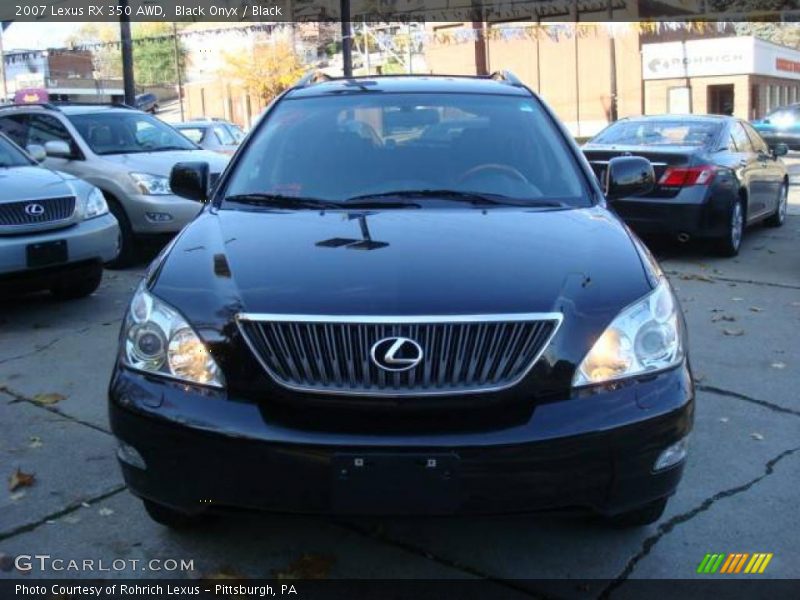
(105, 512)
(48, 399)
(308, 566)
(724, 419)
(778, 365)
(36, 442)
(20, 479)
(757, 436)
(733, 332)
(695, 277)
(756, 309)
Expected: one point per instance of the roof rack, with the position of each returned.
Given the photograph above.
(57, 103)
(507, 77)
(312, 77)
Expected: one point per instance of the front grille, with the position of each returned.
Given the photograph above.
(460, 354)
(32, 212)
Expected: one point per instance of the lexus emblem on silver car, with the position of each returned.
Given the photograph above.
(396, 353)
(34, 210)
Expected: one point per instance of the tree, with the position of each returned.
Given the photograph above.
(778, 33)
(267, 70)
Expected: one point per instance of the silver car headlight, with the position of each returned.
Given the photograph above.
(151, 185)
(645, 337)
(158, 340)
(95, 205)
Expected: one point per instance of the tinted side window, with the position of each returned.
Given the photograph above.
(16, 128)
(757, 140)
(741, 139)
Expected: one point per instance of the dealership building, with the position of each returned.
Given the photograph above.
(743, 76)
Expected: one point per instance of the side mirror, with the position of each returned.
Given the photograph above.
(190, 180)
(780, 150)
(37, 152)
(628, 176)
(58, 149)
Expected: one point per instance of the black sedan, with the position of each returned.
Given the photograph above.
(715, 175)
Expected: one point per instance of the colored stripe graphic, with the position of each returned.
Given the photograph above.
(735, 562)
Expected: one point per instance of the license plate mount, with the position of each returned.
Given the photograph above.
(45, 254)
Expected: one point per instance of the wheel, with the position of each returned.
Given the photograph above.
(729, 244)
(777, 218)
(127, 246)
(638, 517)
(85, 285)
(172, 518)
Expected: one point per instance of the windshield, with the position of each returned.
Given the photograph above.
(11, 156)
(128, 132)
(363, 145)
(659, 133)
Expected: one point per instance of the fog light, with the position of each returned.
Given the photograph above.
(130, 455)
(672, 455)
(157, 217)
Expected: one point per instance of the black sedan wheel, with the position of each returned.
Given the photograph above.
(779, 216)
(729, 244)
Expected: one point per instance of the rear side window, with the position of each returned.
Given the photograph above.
(740, 138)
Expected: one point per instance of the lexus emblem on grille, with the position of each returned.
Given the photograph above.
(34, 210)
(396, 353)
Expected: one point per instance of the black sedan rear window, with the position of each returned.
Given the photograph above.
(338, 148)
(659, 132)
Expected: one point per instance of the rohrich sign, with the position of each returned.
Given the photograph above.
(719, 56)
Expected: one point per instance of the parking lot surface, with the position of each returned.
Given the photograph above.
(739, 493)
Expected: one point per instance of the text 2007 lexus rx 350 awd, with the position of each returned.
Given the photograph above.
(405, 295)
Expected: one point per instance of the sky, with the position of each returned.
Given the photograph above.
(37, 36)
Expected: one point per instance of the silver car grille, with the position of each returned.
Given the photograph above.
(48, 210)
(460, 354)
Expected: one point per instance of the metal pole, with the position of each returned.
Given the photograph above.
(126, 44)
(366, 48)
(347, 40)
(612, 50)
(178, 68)
(410, 59)
(3, 67)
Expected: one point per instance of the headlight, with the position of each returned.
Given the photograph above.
(645, 337)
(156, 339)
(96, 204)
(151, 185)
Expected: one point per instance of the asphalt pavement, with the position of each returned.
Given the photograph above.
(739, 493)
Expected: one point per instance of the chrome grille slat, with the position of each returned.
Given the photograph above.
(55, 209)
(461, 354)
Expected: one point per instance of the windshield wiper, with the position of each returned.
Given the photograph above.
(475, 198)
(283, 201)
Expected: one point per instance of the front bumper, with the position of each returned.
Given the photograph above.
(595, 451)
(159, 214)
(94, 240)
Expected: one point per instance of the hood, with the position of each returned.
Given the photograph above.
(161, 163)
(32, 182)
(404, 262)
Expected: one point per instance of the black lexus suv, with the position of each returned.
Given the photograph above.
(405, 295)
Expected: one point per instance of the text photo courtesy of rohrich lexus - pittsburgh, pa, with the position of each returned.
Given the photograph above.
(406, 299)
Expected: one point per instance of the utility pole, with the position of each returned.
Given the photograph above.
(410, 59)
(126, 44)
(612, 49)
(347, 40)
(3, 67)
(366, 47)
(178, 67)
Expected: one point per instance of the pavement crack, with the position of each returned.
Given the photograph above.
(712, 278)
(666, 527)
(730, 394)
(33, 352)
(17, 397)
(445, 562)
(61, 513)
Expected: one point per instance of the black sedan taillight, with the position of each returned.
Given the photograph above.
(685, 176)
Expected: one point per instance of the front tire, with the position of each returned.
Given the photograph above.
(729, 244)
(778, 218)
(172, 518)
(641, 516)
(127, 243)
(80, 288)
